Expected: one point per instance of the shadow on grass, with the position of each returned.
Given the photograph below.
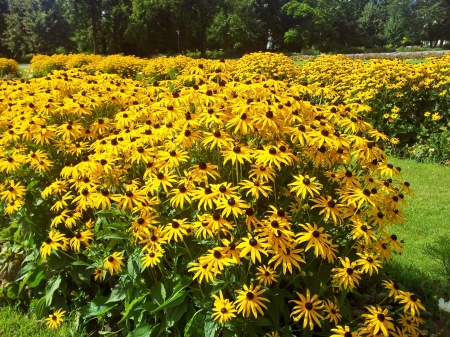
(428, 287)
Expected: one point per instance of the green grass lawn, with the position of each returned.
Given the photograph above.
(16, 324)
(300, 62)
(427, 220)
(427, 214)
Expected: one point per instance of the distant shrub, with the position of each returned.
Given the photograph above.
(8, 67)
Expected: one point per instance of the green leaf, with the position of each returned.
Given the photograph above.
(173, 314)
(51, 287)
(195, 326)
(80, 263)
(158, 292)
(36, 278)
(111, 244)
(174, 300)
(115, 236)
(262, 321)
(98, 306)
(24, 271)
(120, 290)
(141, 331)
(133, 268)
(210, 326)
(40, 308)
(133, 305)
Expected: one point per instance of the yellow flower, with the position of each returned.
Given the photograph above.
(99, 274)
(223, 309)
(427, 114)
(250, 300)
(52, 242)
(54, 320)
(307, 308)
(114, 263)
(436, 116)
(394, 141)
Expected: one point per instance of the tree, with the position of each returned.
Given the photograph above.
(432, 20)
(35, 26)
(314, 24)
(398, 24)
(85, 17)
(237, 27)
(371, 25)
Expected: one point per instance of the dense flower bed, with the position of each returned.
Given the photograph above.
(132, 202)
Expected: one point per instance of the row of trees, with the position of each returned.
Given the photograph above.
(147, 27)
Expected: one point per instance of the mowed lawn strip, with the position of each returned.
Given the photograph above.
(13, 323)
(427, 214)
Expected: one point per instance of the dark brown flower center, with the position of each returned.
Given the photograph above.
(253, 242)
(250, 296)
(110, 258)
(308, 306)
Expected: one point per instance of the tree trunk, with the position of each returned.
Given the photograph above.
(203, 38)
(94, 28)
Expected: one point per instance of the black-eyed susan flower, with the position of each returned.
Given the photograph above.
(249, 300)
(113, 262)
(81, 237)
(331, 310)
(152, 258)
(307, 308)
(315, 238)
(255, 188)
(266, 275)
(408, 323)
(344, 332)
(52, 242)
(369, 262)
(223, 309)
(347, 275)
(263, 173)
(54, 320)
(180, 195)
(13, 192)
(411, 302)
(206, 197)
(175, 229)
(254, 245)
(236, 154)
(205, 271)
(216, 259)
(378, 319)
(99, 274)
(287, 257)
(305, 185)
(235, 206)
(329, 208)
